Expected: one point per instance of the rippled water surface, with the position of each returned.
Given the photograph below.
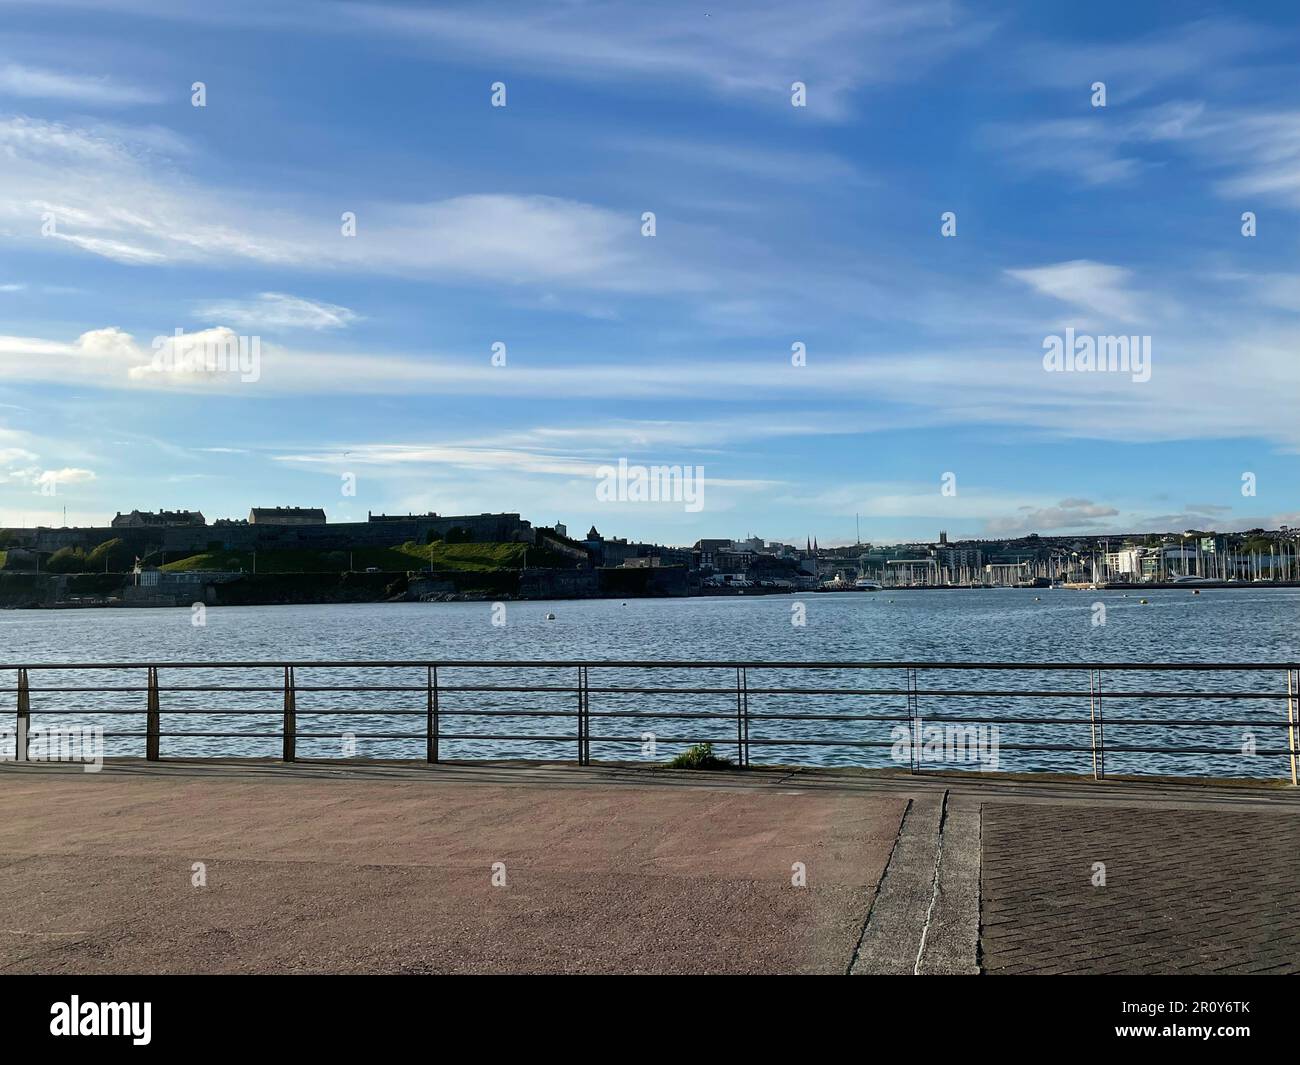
(855, 724)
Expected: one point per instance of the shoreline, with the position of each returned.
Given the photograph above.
(180, 601)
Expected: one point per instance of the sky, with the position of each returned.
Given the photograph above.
(500, 326)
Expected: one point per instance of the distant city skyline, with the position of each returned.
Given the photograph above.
(576, 531)
(454, 306)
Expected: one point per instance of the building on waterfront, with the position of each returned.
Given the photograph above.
(148, 519)
(1173, 560)
(709, 551)
(612, 552)
(1126, 562)
(876, 562)
(1006, 574)
(723, 553)
(957, 559)
(733, 561)
(619, 552)
(286, 516)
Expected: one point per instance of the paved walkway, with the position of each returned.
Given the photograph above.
(391, 868)
(445, 870)
(1185, 891)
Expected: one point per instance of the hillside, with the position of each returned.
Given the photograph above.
(400, 558)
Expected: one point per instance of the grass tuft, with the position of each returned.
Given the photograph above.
(700, 756)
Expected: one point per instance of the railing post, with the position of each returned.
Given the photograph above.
(152, 727)
(586, 713)
(431, 723)
(1097, 724)
(290, 715)
(1092, 719)
(742, 717)
(740, 727)
(24, 722)
(584, 731)
(1101, 729)
(1292, 693)
(744, 714)
(914, 715)
(580, 762)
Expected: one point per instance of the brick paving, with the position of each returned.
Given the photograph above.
(1187, 890)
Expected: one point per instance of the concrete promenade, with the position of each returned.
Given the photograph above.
(554, 868)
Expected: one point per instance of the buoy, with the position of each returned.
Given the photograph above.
(550, 617)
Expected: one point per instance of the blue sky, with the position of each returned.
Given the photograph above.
(775, 224)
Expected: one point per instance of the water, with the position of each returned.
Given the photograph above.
(1237, 625)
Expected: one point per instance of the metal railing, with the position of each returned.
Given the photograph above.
(747, 722)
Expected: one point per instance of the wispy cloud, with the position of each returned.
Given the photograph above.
(1133, 67)
(978, 385)
(1096, 287)
(275, 310)
(1243, 154)
(1099, 148)
(749, 50)
(1263, 149)
(38, 83)
(111, 197)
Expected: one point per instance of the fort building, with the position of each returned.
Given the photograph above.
(286, 516)
(148, 519)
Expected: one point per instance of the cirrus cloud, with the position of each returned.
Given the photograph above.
(275, 310)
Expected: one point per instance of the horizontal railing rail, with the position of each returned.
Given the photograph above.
(915, 709)
(592, 663)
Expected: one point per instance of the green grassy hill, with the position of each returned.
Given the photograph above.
(403, 557)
